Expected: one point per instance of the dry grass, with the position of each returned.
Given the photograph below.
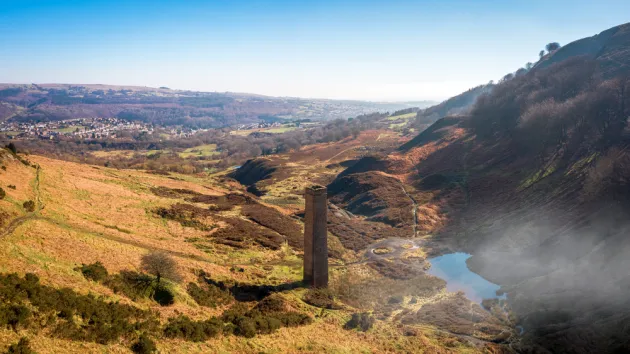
(102, 214)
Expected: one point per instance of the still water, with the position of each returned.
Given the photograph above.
(452, 268)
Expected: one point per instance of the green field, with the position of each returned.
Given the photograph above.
(276, 130)
(397, 125)
(70, 129)
(201, 150)
(402, 116)
(11, 133)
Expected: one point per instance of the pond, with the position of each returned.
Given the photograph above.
(452, 268)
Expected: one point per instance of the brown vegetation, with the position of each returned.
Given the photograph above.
(241, 233)
(395, 270)
(356, 234)
(187, 215)
(276, 221)
(375, 195)
(457, 315)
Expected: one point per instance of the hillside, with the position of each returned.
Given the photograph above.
(609, 49)
(455, 105)
(533, 182)
(238, 255)
(164, 106)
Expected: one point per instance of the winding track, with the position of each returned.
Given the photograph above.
(29, 216)
(414, 210)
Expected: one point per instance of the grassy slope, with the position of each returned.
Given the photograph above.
(93, 214)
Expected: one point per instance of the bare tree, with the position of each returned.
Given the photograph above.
(161, 265)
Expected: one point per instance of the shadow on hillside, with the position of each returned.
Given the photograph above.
(251, 292)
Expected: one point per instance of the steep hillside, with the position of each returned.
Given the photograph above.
(609, 49)
(534, 183)
(455, 105)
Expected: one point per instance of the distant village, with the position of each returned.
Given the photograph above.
(84, 128)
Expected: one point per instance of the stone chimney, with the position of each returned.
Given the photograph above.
(316, 237)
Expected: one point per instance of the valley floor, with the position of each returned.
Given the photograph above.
(85, 214)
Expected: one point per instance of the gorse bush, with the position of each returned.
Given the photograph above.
(209, 295)
(95, 271)
(163, 295)
(101, 321)
(14, 316)
(66, 314)
(246, 326)
(137, 286)
(144, 345)
(21, 347)
(29, 206)
(132, 284)
(320, 297)
(195, 331)
(362, 321)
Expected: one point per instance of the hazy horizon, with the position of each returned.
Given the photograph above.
(369, 51)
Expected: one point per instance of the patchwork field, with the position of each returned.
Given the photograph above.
(275, 130)
(201, 150)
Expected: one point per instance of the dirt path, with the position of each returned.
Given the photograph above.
(350, 148)
(414, 210)
(15, 223)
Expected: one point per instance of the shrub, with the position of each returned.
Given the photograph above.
(209, 295)
(101, 321)
(144, 345)
(14, 316)
(12, 148)
(21, 347)
(245, 327)
(270, 304)
(266, 317)
(362, 321)
(137, 286)
(2, 194)
(293, 319)
(163, 295)
(397, 299)
(132, 284)
(235, 311)
(95, 271)
(320, 297)
(196, 331)
(11, 186)
(29, 206)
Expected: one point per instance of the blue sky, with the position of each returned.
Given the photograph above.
(373, 50)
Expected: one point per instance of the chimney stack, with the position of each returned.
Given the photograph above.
(316, 237)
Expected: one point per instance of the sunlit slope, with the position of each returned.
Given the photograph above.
(85, 214)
